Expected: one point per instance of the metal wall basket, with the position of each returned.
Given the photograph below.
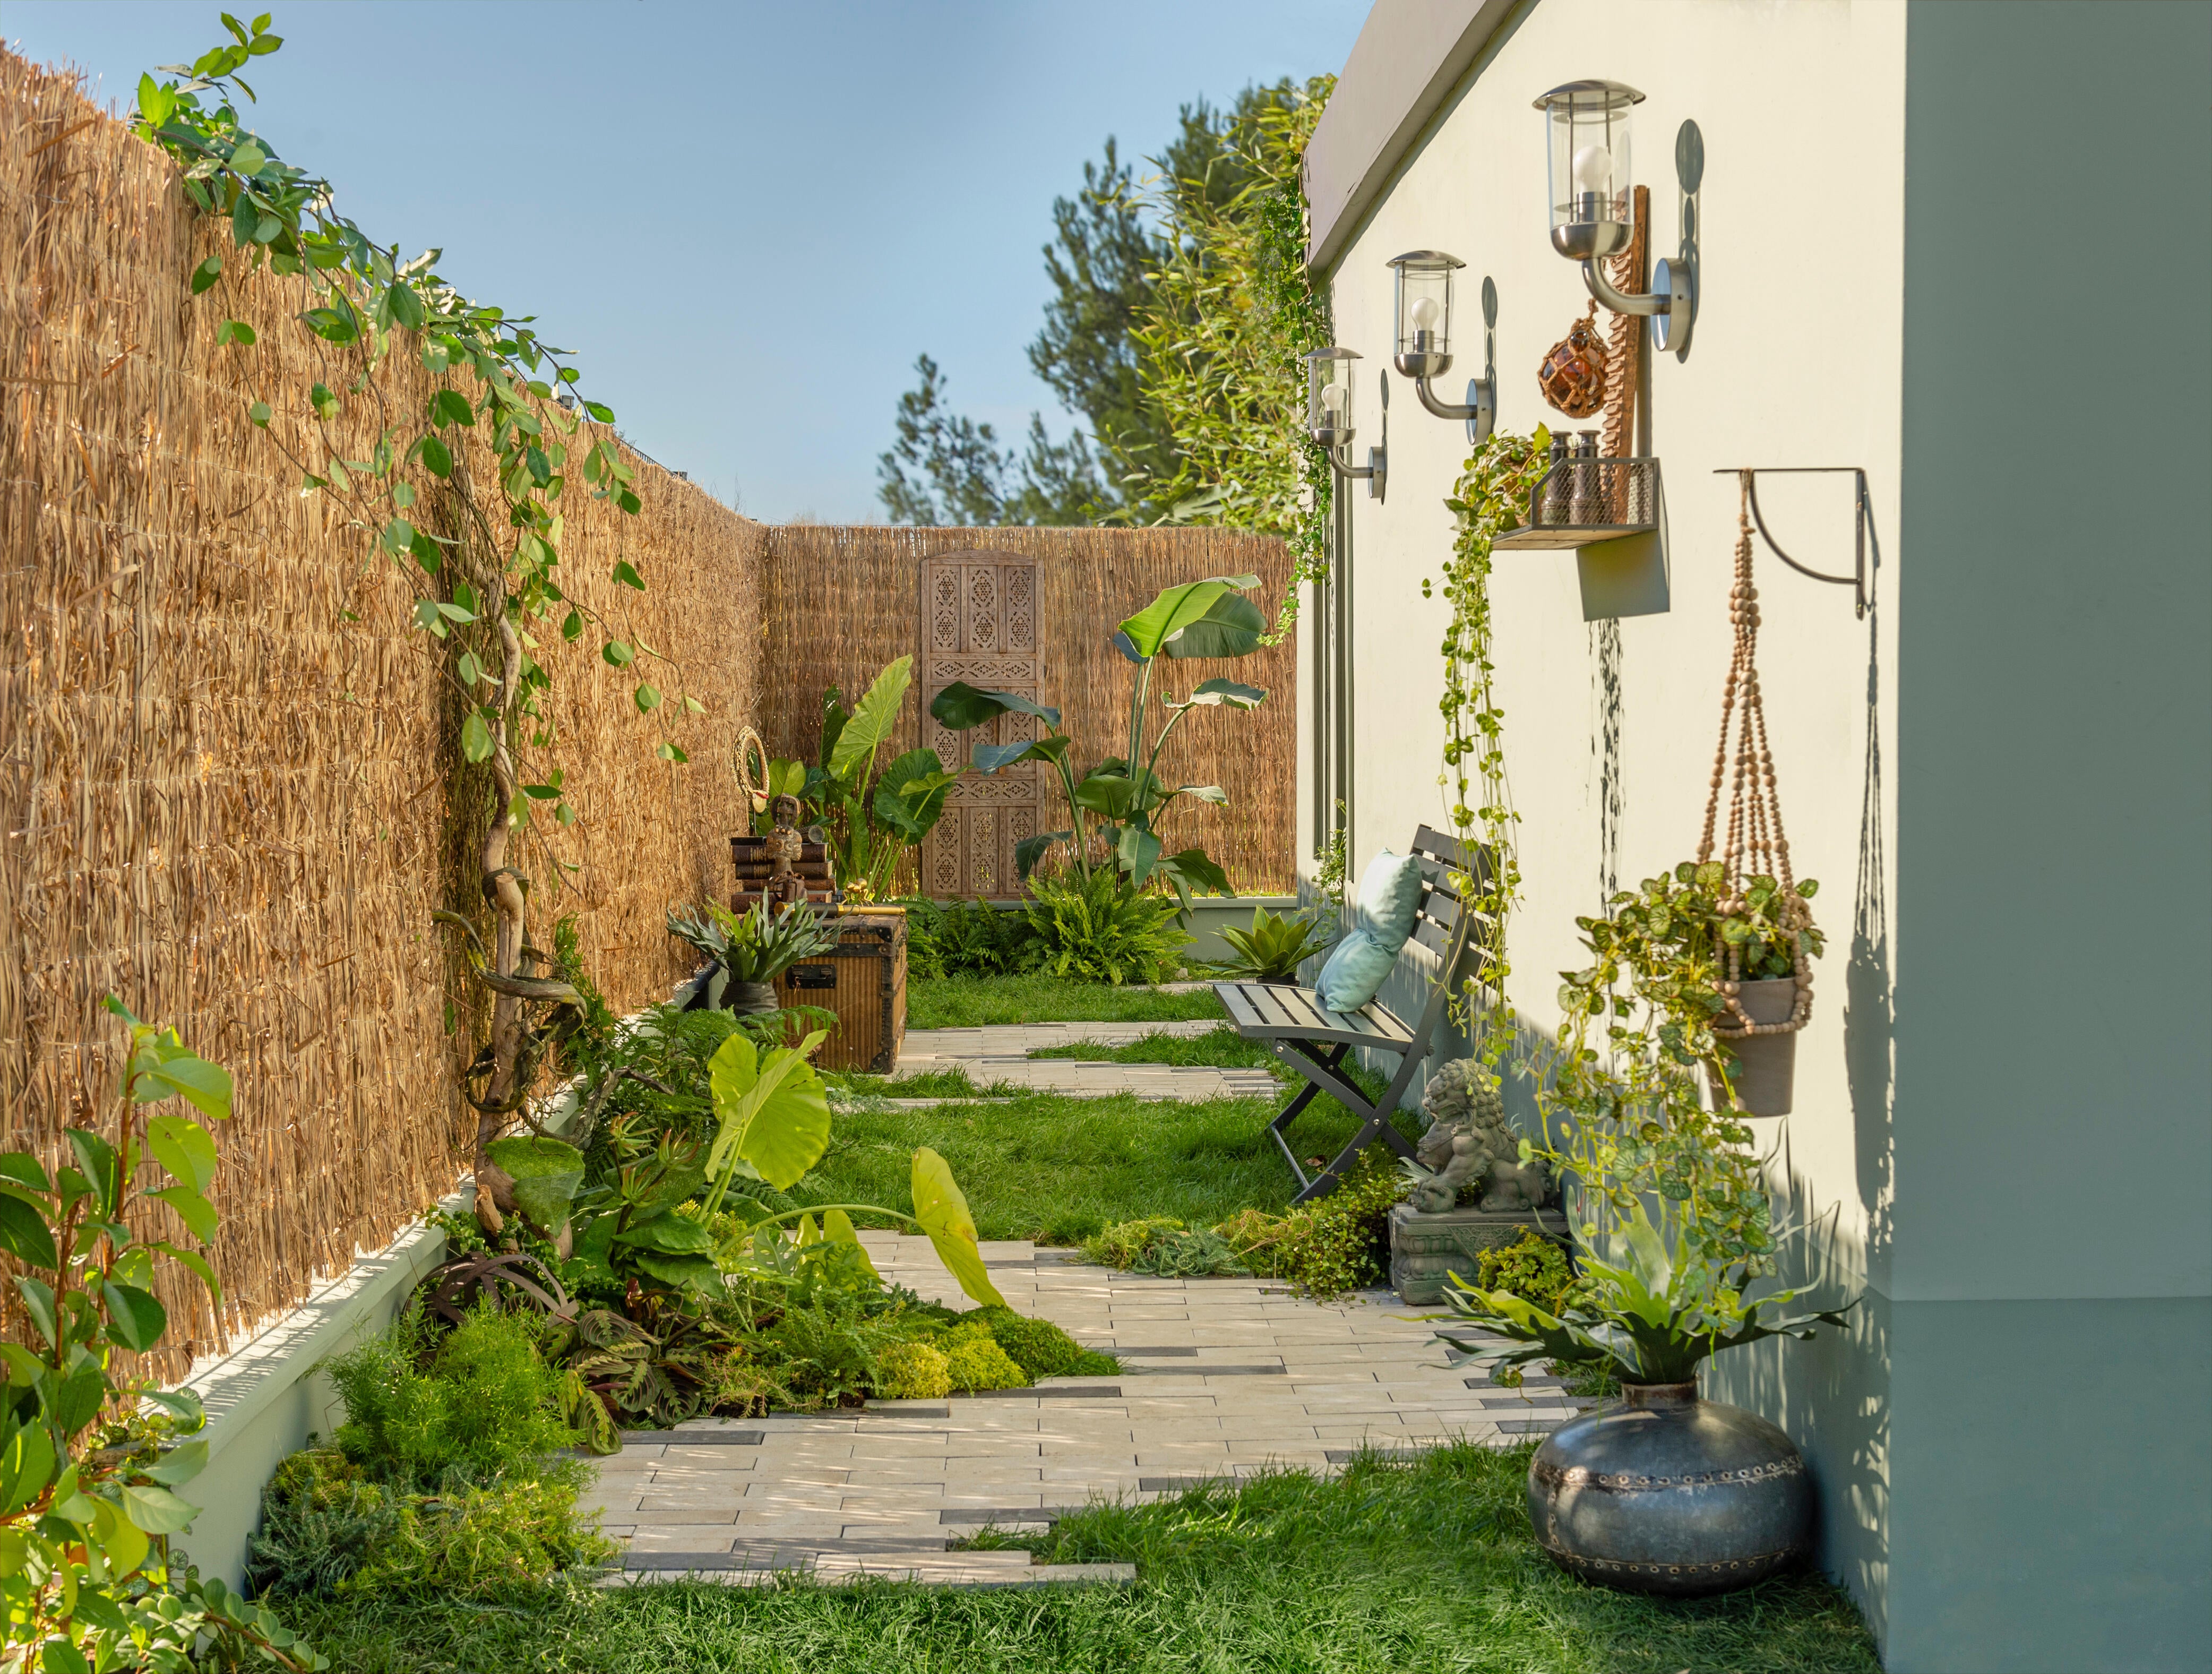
(1580, 501)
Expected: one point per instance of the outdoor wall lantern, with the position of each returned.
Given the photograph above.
(1586, 129)
(1329, 379)
(1425, 312)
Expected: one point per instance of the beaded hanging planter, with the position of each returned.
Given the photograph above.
(1760, 1017)
(1572, 376)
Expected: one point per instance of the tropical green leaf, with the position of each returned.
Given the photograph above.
(135, 1319)
(838, 1227)
(1192, 608)
(157, 1511)
(960, 706)
(942, 1213)
(25, 1235)
(873, 720)
(774, 1112)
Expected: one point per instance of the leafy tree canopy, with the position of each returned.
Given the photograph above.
(1112, 242)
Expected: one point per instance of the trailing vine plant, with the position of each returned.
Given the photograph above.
(486, 587)
(1488, 500)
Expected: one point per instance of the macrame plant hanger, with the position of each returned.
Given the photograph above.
(1755, 845)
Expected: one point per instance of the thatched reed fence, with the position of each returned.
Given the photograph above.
(229, 788)
(845, 601)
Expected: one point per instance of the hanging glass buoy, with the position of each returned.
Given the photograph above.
(1573, 375)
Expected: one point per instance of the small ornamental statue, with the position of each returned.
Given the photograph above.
(1470, 1143)
(785, 845)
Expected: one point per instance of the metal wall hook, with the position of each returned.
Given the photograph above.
(1861, 578)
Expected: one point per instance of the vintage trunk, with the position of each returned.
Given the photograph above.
(863, 981)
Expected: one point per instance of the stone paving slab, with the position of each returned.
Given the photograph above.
(998, 1055)
(1223, 1378)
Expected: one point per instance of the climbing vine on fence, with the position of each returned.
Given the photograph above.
(1486, 502)
(487, 585)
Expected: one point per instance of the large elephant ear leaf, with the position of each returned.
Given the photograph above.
(775, 1115)
(1180, 609)
(547, 1173)
(942, 1212)
(873, 718)
(837, 1228)
(960, 706)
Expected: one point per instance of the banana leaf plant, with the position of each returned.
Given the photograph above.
(873, 817)
(1650, 1319)
(1116, 807)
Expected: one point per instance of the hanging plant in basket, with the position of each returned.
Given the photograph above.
(1721, 947)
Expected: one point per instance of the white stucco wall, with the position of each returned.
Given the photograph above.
(1795, 361)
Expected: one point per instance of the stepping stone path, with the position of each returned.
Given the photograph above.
(998, 1054)
(1221, 1378)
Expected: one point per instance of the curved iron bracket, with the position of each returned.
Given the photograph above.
(1861, 579)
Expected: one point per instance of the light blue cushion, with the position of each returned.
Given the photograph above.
(1390, 891)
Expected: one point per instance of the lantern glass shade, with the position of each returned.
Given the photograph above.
(1424, 311)
(1586, 127)
(1329, 380)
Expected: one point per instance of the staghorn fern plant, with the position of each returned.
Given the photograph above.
(756, 948)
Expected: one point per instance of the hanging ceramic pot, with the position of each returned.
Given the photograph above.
(1661, 1492)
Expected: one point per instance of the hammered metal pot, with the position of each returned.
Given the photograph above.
(1661, 1492)
(1766, 1068)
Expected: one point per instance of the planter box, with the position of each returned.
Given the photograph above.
(1425, 1248)
(863, 981)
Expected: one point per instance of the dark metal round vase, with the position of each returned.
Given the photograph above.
(1661, 1492)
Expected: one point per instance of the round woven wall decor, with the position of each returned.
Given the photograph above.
(1573, 375)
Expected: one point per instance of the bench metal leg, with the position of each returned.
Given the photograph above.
(1324, 1074)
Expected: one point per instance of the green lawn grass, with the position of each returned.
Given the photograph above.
(1423, 1568)
(967, 1003)
(1058, 1169)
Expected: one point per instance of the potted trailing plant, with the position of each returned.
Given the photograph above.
(750, 952)
(1117, 806)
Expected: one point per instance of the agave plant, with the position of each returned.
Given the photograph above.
(1273, 948)
(756, 948)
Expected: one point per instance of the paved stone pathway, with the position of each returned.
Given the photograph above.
(998, 1054)
(1223, 1377)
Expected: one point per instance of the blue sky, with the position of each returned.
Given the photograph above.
(747, 219)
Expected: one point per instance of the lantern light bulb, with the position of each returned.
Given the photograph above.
(1333, 397)
(1424, 312)
(1593, 168)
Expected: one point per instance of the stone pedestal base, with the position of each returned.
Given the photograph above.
(1423, 1248)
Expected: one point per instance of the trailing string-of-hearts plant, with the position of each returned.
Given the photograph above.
(482, 584)
(91, 1459)
(1491, 498)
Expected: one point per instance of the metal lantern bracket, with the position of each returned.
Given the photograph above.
(1861, 579)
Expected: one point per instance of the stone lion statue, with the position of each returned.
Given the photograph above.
(1469, 1142)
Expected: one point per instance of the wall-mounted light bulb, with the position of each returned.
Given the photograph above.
(1333, 398)
(1593, 168)
(1424, 312)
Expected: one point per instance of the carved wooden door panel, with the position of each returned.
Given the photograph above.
(979, 623)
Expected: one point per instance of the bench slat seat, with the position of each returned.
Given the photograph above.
(1313, 1040)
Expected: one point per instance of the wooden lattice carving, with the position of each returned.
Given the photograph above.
(979, 625)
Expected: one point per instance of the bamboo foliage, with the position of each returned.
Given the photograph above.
(230, 787)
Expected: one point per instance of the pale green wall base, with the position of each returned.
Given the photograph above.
(265, 1398)
(2051, 1474)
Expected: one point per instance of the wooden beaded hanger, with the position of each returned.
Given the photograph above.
(1755, 839)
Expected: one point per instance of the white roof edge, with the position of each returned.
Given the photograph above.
(1410, 56)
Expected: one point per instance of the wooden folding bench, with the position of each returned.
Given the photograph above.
(1314, 1040)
